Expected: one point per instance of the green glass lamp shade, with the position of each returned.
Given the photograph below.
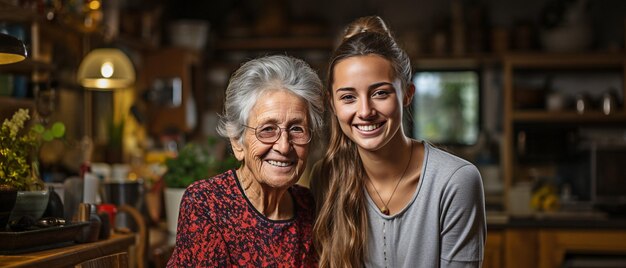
(106, 69)
(11, 49)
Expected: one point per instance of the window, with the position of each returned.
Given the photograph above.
(446, 107)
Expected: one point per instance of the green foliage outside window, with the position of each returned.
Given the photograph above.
(446, 107)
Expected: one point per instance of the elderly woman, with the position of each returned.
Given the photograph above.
(256, 215)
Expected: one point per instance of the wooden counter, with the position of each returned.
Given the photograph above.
(545, 243)
(70, 255)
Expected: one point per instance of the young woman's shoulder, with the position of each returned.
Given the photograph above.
(450, 167)
(441, 155)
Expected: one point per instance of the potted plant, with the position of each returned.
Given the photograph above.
(194, 162)
(114, 151)
(19, 173)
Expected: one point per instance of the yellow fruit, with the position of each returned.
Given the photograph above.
(544, 190)
(535, 202)
(550, 203)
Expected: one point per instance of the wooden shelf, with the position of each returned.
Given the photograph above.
(9, 105)
(566, 60)
(567, 116)
(275, 43)
(17, 103)
(11, 12)
(135, 43)
(69, 32)
(26, 66)
(583, 64)
(470, 61)
(536, 60)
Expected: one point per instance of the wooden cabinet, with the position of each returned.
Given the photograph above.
(493, 257)
(172, 76)
(547, 248)
(520, 112)
(544, 246)
(520, 248)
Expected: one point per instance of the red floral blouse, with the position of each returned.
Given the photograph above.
(219, 227)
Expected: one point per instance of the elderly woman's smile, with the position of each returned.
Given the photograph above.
(280, 163)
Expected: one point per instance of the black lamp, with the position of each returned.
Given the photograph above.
(11, 49)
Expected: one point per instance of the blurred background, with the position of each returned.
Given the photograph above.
(532, 92)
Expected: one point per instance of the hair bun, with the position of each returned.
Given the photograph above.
(366, 24)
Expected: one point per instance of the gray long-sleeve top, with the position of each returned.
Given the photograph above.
(443, 225)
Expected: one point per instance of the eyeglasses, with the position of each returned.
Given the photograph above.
(270, 133)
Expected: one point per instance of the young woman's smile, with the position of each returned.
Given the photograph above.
(367, 100)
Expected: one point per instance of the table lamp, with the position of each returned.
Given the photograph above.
(106, 69)
(12, 50)
(102, 69)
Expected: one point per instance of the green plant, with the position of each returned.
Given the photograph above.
(18, 169)
(195, 162)
(114, 150)
(116, 133)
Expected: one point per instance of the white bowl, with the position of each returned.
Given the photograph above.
(567, 39)
(190, 34)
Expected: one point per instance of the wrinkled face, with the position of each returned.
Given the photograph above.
(367, 100)
(278, 164)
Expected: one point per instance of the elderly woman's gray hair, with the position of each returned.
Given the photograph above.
(256, 77)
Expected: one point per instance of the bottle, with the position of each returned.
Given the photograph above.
(90, 233)
(91, 186)
(73, 196)
(609, 102)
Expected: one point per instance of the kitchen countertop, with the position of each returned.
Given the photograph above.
(573, 220)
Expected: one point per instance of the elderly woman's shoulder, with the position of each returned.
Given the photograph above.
(303, 196)
(221, 181)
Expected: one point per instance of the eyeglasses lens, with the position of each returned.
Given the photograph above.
(270, 133)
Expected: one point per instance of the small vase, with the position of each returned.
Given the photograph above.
(30, 203)
(173, 197)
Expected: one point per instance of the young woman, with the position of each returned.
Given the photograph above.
(384, 199)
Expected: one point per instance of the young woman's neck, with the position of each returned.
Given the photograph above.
(394, 156)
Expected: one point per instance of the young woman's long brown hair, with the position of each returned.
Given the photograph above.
(338, 180)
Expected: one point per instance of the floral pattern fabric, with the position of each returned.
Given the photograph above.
(219, 227)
